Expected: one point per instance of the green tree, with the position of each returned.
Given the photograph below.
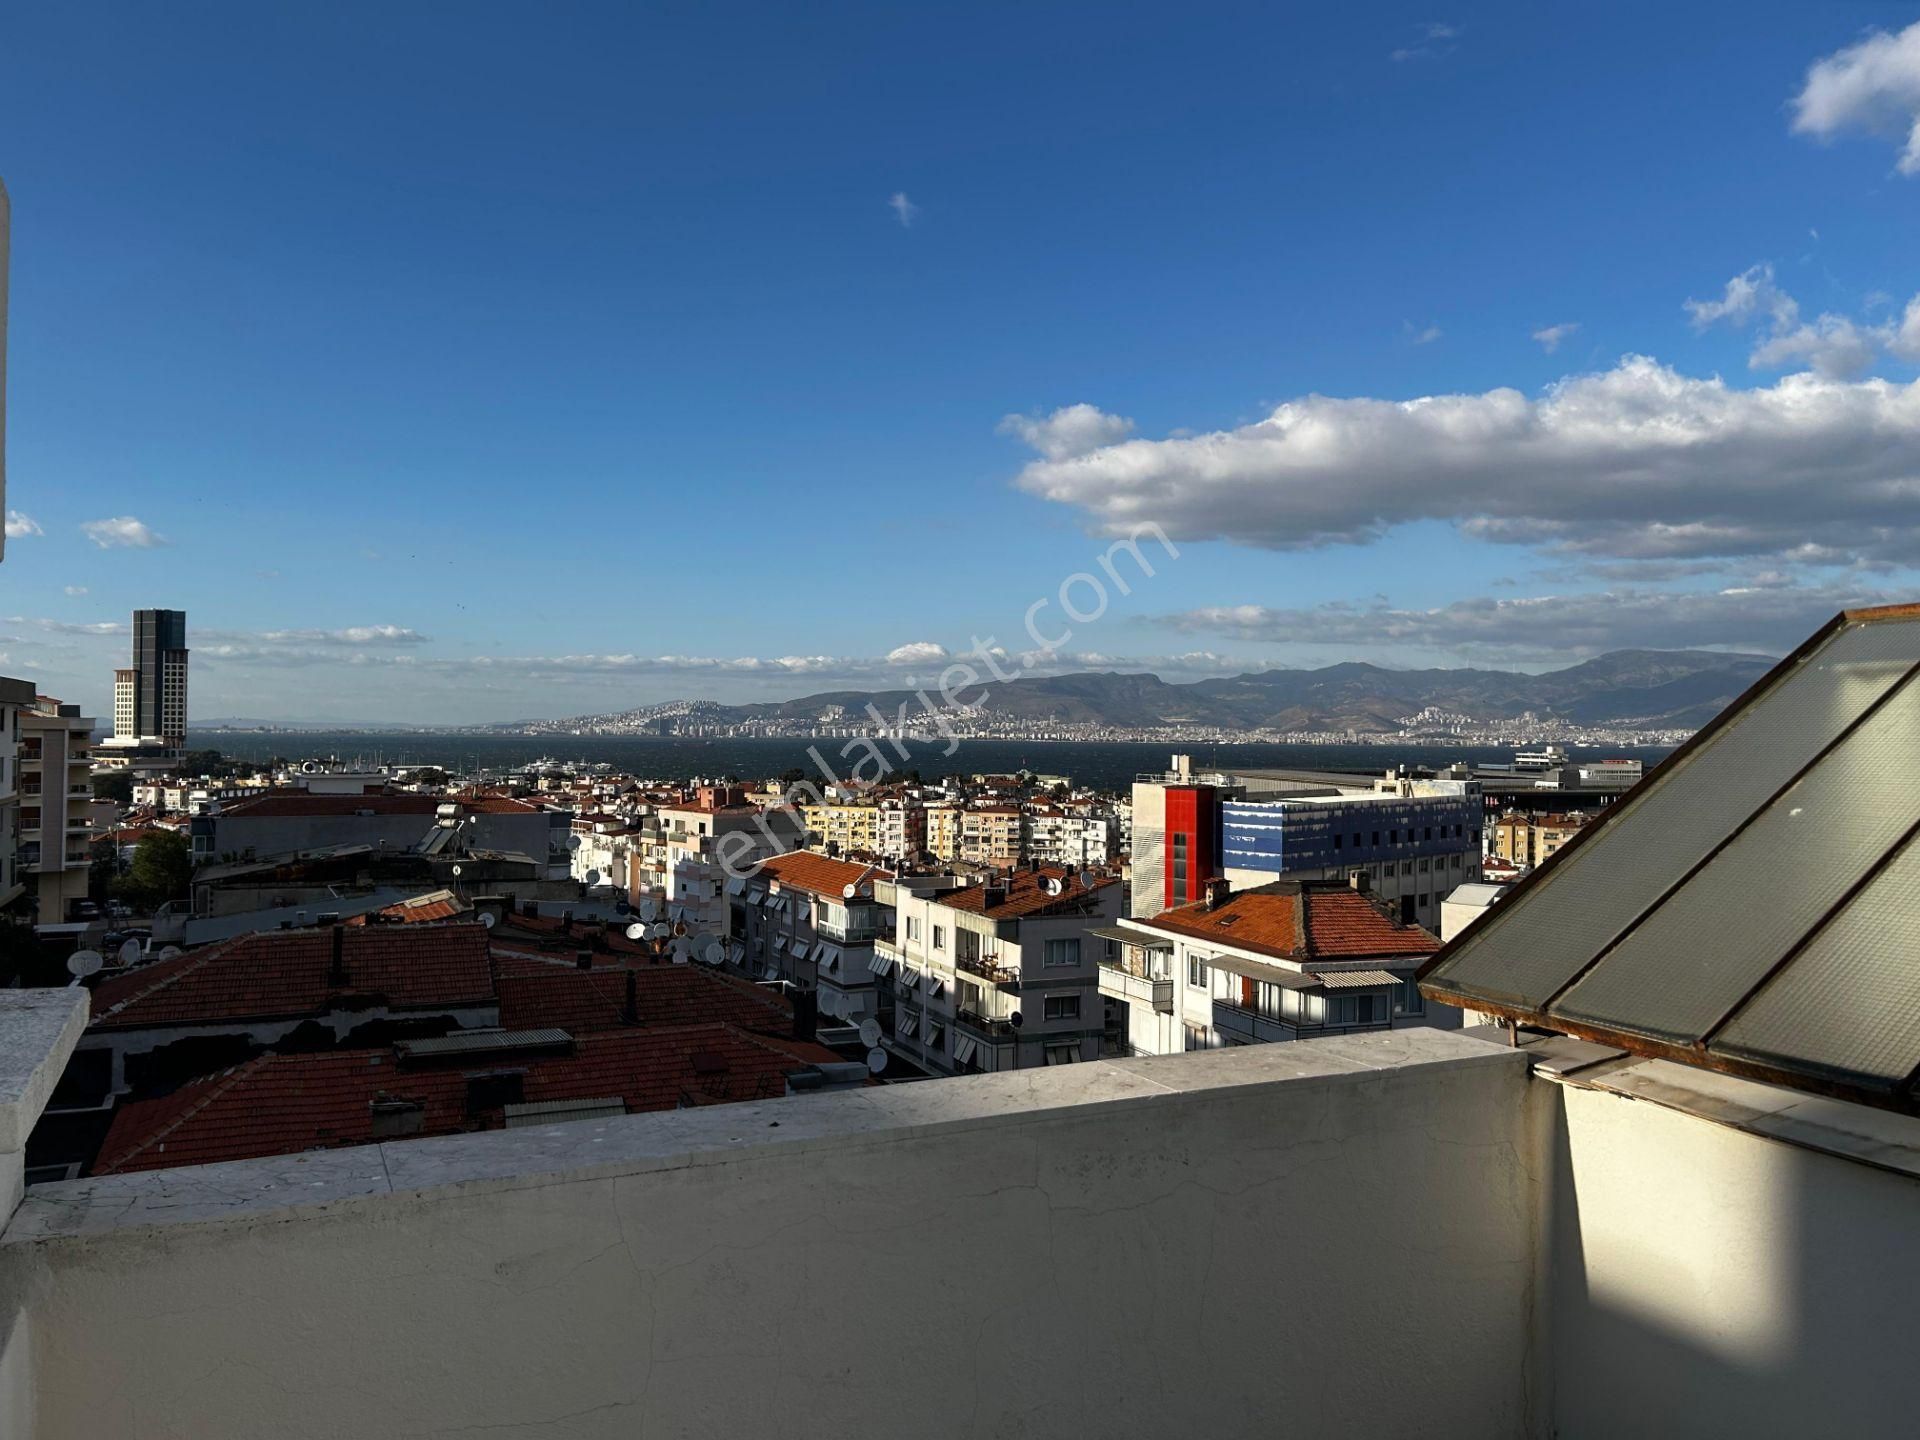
(114, 785)
(162, 870)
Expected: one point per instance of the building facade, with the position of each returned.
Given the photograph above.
(56, 798)
(15, 696)
(812, 921)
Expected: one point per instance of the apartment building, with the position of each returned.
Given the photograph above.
(15, 696)
(56, 798)
(1000, 974)
(812, 921)
(848, 827)
(1071, 836)
(992, 835)
(943, 830)
(1292, 960)
(687, 851)
(1527, 840)
(901, 828)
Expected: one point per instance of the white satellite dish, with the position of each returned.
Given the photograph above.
(1054, 887)
(682, 952)
(657, 930)
(711, 951)
(847, 892)
(456, 871)
(172, 952)
(593, 878)
(870, 1032)
(876, 1060)
(130, 952)
(487, 919)
(636, 931)
(85, 962)
(648, 909)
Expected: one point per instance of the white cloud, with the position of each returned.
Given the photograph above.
(76, 590)
(1550, 336)
(73, 627)
(1871, 87)
(1760, 614)
(904, 209)
(19, 525)
(919, 652)
(122, 532)
(1750, 294)
(1416, 336)
(1069, 431)
(1831, 345)
(1635, 462)
(1436, 39)
(352, 635)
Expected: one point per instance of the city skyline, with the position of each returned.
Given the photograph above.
(900, 381)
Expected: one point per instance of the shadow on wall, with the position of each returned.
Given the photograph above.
(1707, 1282)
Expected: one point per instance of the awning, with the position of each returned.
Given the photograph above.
(963, 1049)
(934, 1031)
(1357, 979)
(1066, 1054)
(936, 987)
(827, 956)
(779, 942)
(904, 1027)
(909, 977)
(1272, 974)
(880, 964)
(736, 886)
(757, 897)
(1125, 936)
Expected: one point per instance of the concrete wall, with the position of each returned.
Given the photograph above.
(1710, 1281)
(1323, 1239)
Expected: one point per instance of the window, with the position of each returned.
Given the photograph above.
(1336, 842)
(1427, 834)
(1410, 1001)
(1356, 839)
(1196, 1037)
(1196, 973)
(913, 927)
(939, 937)
(1376, 837)
(1062, 952)
(1061, 1007)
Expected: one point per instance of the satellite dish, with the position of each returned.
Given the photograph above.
(636, 932)
(130, 952)
(487, 919)
(870, 1032)
(573, 842)
(1016, 1019)
(682, 952)
(456, 871)
(593, 877)
(620, 907)
(85, 962)
(866, 889)
(711, 951)
(876, 1060)
(1086, 880)
(648, 909)
(172, 952)
(680, 927)
(657, 930)
(1054, 887)
(847, 892)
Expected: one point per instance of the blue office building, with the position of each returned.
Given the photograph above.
(1349, 832)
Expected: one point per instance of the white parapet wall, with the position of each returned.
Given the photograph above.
(1327, 1237)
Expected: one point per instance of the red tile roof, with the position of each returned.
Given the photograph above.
(275, 803)
(541, 993)
(817, 874)
(1340, 924)
(1027, 893)
(285, 973)
(284, 1104)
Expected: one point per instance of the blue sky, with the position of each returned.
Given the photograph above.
(460, 362)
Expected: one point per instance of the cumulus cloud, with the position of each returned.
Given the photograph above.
(19, 525)
(904, 210)
(1550, 336)
(1069, 431)
(352, 635)
(73, 627)
(1748, 295)
(1635, 462)
(919, 652)
(1835, 346)
(1873, 88)
(1762, 615)
(121, 532)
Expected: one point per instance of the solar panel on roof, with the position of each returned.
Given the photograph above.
(1527, 952)
(1848, 1005)
(1693, 959)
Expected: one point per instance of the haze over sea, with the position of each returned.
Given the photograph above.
(1103, 765)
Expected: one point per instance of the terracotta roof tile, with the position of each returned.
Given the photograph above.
(1340, 924)
(1027, 893)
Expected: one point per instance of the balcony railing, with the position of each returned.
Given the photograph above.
(987, 968)
(985, 1025)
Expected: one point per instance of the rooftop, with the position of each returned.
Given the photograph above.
(1298, 920)
(1030, 891)
(818, 874)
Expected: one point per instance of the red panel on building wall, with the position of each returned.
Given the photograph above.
(1193, 816)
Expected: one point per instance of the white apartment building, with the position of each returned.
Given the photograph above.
(15, 696)
(599, 844)
(812, 921)
(1291, 960)
(995, 975)
(685, 852)
(56, 800)
(1071, 836)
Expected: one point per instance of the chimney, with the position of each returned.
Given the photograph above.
(1219, 891)
(337, 967)
(583, 960)
(631, 1015)
(806, 1014)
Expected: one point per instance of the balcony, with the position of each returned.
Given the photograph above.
(1597, 1247)
(1125, 982)
(988, 968)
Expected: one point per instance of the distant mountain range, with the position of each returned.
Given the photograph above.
(1625, 689)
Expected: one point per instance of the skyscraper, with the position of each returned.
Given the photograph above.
(150, 697)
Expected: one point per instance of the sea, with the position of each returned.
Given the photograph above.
(1107, 765)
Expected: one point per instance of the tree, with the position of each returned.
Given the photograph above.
(162, 870)
(425, 775)
(114, 785)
